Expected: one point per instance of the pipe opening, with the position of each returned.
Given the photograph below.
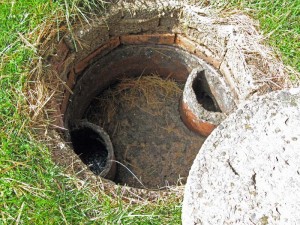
(93, 147)
(203, 93)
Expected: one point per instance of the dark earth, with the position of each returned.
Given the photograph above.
(153, 147)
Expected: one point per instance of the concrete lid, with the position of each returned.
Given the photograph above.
(248, 170)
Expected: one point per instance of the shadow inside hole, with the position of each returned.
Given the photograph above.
(203, 93)
(150, 140)
(151, 143)
(90, 147)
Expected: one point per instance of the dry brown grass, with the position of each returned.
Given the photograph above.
(152, 88)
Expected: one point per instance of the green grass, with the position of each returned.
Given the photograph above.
(33, 190)
(279, 21)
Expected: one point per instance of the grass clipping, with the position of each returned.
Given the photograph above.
(152, 89)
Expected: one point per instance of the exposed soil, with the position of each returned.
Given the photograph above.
(150, 141)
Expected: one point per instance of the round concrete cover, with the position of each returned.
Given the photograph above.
(248, 170)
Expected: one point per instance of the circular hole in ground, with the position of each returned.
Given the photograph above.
(211, 44)
(152, 145)
(134, 93)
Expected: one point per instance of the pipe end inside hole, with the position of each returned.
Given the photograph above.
(203, 93)
(90, 145)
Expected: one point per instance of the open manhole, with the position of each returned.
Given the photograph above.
(134, 93)
(151, 144)
(144, 88)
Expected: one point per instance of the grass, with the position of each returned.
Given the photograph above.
(33, 190)
(128, 91)
(279, 21)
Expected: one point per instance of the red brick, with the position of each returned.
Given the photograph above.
(71, 80)
(163, 39)
(57, 61)
(56, 115)
(195, 49)
(103, 50)
(68, 91)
